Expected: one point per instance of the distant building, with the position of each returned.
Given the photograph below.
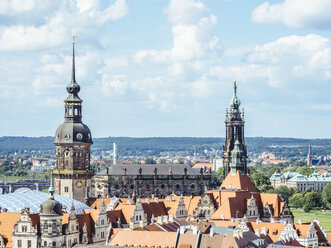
(314, 181)
(124, 180)
(311, 161)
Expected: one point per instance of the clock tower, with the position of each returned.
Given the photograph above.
(73, 174)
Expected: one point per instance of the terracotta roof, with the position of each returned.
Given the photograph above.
(154, 208)
(7, 223)
(96, 202)
(202, 165)
(187, 239)
(238, 181)
(191, 203)
(143, 238)
(232, 204)
(127, 211)
(274, 200)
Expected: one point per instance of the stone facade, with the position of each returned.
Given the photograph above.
(25, 234)
(146, 180)
(205, 208)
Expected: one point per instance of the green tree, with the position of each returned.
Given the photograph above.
(266, 188)
(216, 178)
(285, 192)
(259, 179)
(150, 161)
(313, 199)
(305, 170)
(296, 201)
(163, 161)
(326, 196)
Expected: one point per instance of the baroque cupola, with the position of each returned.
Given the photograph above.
(51, 206)
(73, 130)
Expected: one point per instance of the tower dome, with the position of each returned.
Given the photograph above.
(51, 206)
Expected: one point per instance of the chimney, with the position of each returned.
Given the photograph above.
(147, 200)
(160, 220)
(156, 199)
(263, 231)
(195, 230)
(170, 198)
(171, 218)
(257, 232)
(300, 222)
(182, 229)
(165, 219)
(211, 232)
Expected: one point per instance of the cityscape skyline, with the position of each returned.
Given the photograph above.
(172, 76)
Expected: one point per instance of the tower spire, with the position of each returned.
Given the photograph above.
(51, 188)
(73, 76)
(235, 102)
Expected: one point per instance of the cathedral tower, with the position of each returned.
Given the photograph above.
(234, 140)
(73, 173)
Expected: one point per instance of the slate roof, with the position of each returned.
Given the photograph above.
(149, 169)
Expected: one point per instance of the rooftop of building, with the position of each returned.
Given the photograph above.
(32, 199)
(150, 169)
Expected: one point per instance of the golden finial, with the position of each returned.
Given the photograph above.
(73, 39)
(235, 82)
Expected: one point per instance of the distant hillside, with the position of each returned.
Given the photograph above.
(286, 147)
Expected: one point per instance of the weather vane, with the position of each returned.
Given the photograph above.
(73, 38)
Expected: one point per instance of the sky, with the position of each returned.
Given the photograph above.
(157, 68)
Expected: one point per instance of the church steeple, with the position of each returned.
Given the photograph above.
(73, 104)
(73, 139)
(234, 140)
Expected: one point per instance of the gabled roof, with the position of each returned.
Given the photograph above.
(7, 223)
(143, 238)
(238, 181)
(274, 201)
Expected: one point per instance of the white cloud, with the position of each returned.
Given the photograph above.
(192, 32)
(295, 13)
(14, 7)
(294, 57)
(114, 85)
(86, 17)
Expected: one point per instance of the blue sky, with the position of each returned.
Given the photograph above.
(166, 67)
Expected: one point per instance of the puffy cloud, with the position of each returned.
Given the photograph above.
(192, 32)
(295, 13)
(86, 18)
(114, 85)
(294, 57)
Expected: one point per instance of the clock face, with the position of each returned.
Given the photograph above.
(79, 136)
(79, 184)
